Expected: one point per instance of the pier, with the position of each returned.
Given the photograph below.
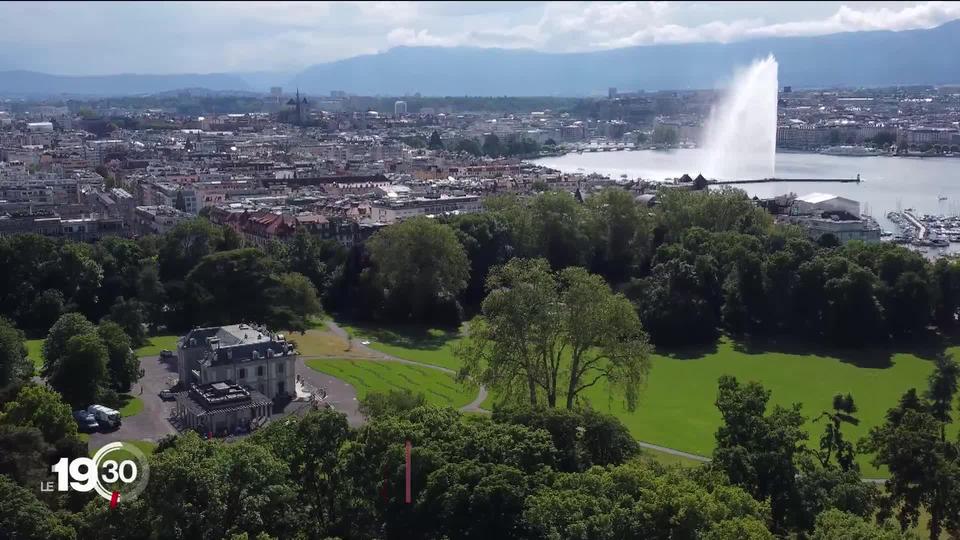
(922, 230)
(769, 180)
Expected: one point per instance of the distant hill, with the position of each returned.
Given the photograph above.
(31, 83)
(849, 59)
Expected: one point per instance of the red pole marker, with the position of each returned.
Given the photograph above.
(408, 499)
(114, 499)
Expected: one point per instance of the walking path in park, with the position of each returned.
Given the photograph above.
(152, 423)
(357, 345)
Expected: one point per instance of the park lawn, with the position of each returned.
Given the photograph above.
(131, 406)
(156, 344)
(319, 342)
(433, 346)
(366, 376)
(676, 407)
(35, 352)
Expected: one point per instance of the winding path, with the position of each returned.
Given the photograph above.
(472, 407)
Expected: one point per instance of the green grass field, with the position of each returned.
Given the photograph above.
(320, 342)
(157, 344)
(428, 345)
(131, 405)
(677, 405)
(370, 375)
(35, 352)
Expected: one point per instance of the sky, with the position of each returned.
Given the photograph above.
(80, 38)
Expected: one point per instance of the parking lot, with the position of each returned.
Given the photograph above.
(152, 423)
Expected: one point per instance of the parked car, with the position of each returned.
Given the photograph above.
(167, 395)
(166, 354)
(86, 422)
(106, 416)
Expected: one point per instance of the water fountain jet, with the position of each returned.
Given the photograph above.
(741, 133)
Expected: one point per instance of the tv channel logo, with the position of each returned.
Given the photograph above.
(124, 474)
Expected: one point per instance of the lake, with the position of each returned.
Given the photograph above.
(888, 183)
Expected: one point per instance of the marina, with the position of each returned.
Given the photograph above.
(925, 230)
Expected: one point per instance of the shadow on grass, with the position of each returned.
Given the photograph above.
(927, 346)
(688, 352)
(408, 336)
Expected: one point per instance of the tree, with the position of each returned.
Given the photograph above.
(152, 295)
(39, 407)
(665, 135)
(924, 472)
(942, 387)
(946, 279)
(14, 364)
(757, 450)
(45, 310)
(55, 346)
(435, 142)
(834, 525)
(908, 305)
(82, 370)
(469, 146)
(320, 260)
(123, 366)
(419, 265)
(672, 302)
(550, 142)
(492, 146)
(543, 328)
(620, 232)
(180, 203)
(487, 241)
(583, 438)
(187, 243)
(393, 401)
(556, 229)
(214, 284)
(634, 501)
(22, 515)
(203, 490)
(832, 443)
(294, 302)
(128, 314)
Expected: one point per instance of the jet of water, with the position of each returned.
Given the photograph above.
(741, 134)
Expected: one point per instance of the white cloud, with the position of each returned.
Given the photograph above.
(222, 36)
(420, 38)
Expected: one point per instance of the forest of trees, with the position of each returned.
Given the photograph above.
(525, 473)
(545, 279)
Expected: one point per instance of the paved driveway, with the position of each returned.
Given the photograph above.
(342, 396)
(152, 423)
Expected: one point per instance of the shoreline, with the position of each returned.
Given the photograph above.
(561, 153)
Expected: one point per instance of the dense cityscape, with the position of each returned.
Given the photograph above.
(235, 306)
(86, 169)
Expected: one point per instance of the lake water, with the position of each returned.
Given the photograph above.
(888, 183)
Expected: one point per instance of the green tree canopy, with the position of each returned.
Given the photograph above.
(419, 264)
(550, 336)
(123, 366)
(14, 364)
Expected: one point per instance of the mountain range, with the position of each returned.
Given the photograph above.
(879, 58)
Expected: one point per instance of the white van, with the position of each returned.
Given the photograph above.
(105, 415)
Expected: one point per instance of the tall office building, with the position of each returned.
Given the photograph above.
(399, 108)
